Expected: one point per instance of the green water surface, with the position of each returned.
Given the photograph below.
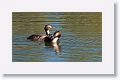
(81, 39)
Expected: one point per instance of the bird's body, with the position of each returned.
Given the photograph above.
(40, 37)
(53, 38)
(52, 41)
(36, 37)
(48, 39)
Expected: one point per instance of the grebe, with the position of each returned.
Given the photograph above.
(38, 37)
(54, 38)
(52, 41)
(55, 43)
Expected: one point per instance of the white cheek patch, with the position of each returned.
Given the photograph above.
(56, 34)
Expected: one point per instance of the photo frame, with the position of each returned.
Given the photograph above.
(104, 67)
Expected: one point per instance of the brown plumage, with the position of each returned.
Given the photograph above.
(39, 37)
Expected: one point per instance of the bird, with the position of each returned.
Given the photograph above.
(53, 38)
(41, 37)
(52, 41)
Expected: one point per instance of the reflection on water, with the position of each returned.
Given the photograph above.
(55, 46)
(81, 39)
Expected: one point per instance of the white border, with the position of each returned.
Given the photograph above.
(104, 67)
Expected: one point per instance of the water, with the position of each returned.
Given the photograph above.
(81, 39)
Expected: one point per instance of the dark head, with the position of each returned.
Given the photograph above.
(47, 27)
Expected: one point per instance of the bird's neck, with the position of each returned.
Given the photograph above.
(55, 40)
(47, 32)
(56, 47)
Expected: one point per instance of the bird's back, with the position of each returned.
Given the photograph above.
(36, 37)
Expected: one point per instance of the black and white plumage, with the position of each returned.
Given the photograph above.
(53, 38)
(49, 39)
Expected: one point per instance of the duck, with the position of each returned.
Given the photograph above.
(41, 37)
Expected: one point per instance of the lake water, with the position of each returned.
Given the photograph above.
(81, 39)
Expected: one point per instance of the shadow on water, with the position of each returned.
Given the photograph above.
(81, 39)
